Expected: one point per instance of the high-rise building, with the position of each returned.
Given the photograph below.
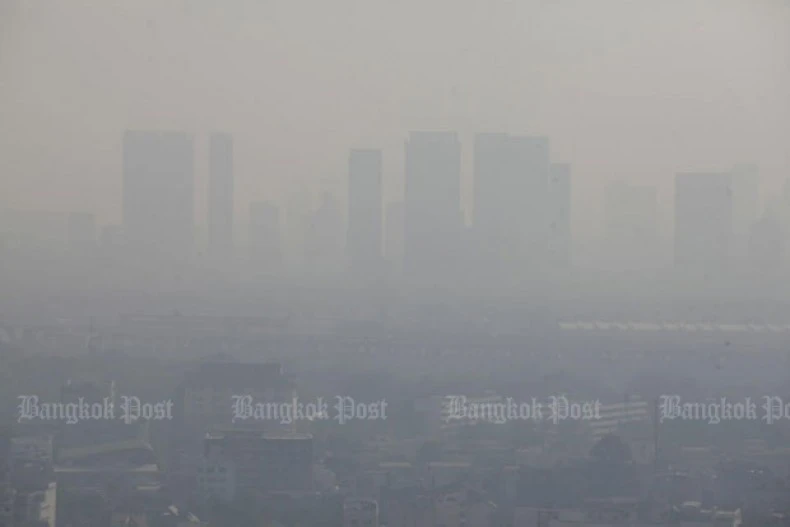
(432, 198)
(363, 243)
(158, 192)
(560, 241)
(511, 175)
(220, 198)
(264, 235)
(703, 222)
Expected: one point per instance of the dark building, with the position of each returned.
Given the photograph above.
(703, 222)
(158, 193)
(363, 243)
(432, 198)
(220, 199)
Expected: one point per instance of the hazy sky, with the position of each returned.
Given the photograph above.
(636, 90)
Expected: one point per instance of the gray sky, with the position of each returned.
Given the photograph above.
(634, 90)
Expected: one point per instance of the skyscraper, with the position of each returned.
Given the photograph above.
(363, 243)
(703, 222)
(432, 198)
(220, 198)
(511, 176)
(560, 214)
(158, 192)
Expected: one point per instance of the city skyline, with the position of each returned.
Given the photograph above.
(619, 100)
(376, 263)
(521, 217)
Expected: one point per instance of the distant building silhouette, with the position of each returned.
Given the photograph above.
(265, 236)
(158, 193)
(432, 198)
(220, 198)
(363, 243)
(703, 222)
(560, 240)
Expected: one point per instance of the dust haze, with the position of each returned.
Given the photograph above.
(373, 263)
